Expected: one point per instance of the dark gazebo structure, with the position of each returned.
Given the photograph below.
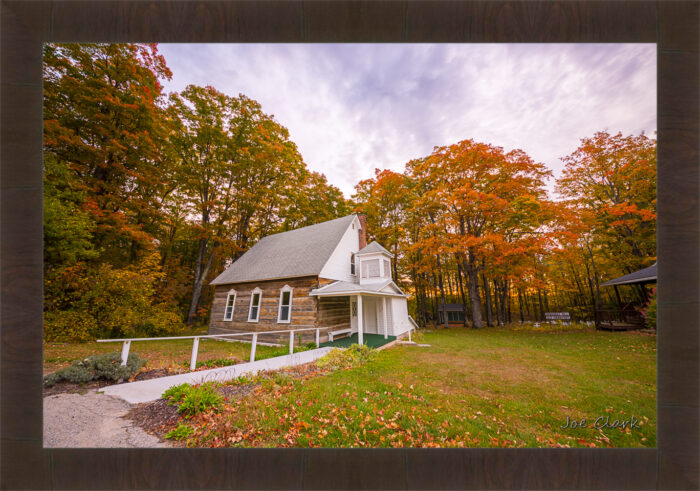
(627, 317)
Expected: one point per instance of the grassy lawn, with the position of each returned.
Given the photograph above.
(173, 354)
(485, 388)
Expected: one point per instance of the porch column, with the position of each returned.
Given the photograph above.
(387, 305)
(360, 315)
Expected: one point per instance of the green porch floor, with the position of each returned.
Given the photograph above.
(371, 340)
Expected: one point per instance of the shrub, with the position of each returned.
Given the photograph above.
(175, 393)
(69, 326)
(103, 301)
(161, 323)
(106, 367)
(355, 355)
(180, 433)
(193, 400)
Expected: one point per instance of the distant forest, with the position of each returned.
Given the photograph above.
(148, 196)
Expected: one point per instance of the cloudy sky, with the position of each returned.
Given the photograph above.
(351, 108)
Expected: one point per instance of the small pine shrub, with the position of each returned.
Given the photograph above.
(180, 433)
(99, 367)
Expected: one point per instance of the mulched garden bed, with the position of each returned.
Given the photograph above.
(156, 418)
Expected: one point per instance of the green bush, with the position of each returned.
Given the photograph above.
(180, 433)
(101, 301)
(353, 356)
(175, 393)
(161, 323)
(69, 326)
(99, 367)
(193, 400)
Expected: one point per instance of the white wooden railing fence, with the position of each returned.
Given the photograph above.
(195, 345)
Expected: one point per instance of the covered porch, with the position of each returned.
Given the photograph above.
(361, 314)
(626, 317)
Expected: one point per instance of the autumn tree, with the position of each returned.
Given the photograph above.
(235, 165)
(105, 168)
(103, 123)
(611, 179)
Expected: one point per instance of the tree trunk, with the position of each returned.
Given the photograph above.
(442, 293)
(520, 305)
(487, 297)
(461, 293)
(200, 274)
(473, 288)
(497, 302)
(508, 295)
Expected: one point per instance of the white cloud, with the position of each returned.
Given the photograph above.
(353, 108)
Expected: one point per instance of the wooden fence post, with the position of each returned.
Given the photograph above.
(291, 342)
(125, 351)
(193, 359)
(317, 339)
(252, 347)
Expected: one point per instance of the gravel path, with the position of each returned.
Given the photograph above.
(92, 420)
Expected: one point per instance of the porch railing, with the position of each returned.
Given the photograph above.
(195, 344)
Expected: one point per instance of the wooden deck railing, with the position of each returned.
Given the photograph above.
(195, 344)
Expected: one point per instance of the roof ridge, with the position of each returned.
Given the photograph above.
(305, 227)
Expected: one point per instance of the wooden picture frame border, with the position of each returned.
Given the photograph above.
(673, 26)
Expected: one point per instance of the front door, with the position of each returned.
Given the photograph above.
(369, 319)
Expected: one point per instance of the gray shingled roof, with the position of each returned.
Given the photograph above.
(374, 247)
(646, 275)
(300, 252)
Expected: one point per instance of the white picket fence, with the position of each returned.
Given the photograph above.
(195, 344)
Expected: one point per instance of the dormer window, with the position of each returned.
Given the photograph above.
(387, 268)
(255, 300)
(352, 263)
(370, 268)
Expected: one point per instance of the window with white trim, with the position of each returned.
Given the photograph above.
(230, 304)
(284, 314)
(352, 263)
(255, 300)
(387, 268)
(370, 268)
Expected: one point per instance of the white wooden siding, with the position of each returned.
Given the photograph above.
(338, 265)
